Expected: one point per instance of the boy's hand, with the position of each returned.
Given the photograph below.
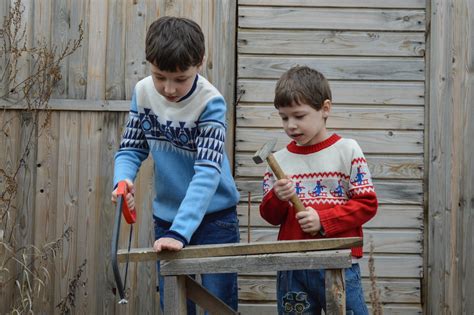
(284, 189)
(130, 198)
(309, 221)
(167, 243)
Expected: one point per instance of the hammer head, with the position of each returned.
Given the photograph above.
(262, 154)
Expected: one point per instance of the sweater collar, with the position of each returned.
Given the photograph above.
(294, 148)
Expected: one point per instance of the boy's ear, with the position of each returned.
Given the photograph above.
(327, 104)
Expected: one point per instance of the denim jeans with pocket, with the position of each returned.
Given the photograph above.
(218, 228)
(303, 292)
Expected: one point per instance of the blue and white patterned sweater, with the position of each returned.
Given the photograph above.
(186, 141)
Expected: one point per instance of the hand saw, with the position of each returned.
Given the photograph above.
(130, 216)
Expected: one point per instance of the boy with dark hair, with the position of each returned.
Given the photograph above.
(178, 117)
(333, 182)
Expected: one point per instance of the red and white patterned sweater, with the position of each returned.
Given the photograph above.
(332, 177)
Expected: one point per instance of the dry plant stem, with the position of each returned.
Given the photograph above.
(29, 264)
(374, 291)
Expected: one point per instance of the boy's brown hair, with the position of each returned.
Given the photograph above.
(174, 44)
(302, 84)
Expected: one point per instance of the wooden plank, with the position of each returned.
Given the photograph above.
(9, 162)
(224, 60)
(175, 295)
(104, 279)
(388, 192)
(450, 181)
(389, 309)
(60, 35)
(414, 4)
(45, 203)
(88, 229)
(25, 201)
(262, 288)
(385, 241)
(341, 117)
(4, 11)
(67, 203)
(202, 297)
(388, 216)
(96, 68)
(381, 166)
(79, 63)
(115, 66)
(257, 263)
(73, 105)
(135, 31)
(393, 266)
(335, 291)
(335, 43)
(345, 92)
(143, 278)
(239, 249)
(331, 18)
(371, 141)
(335, 68)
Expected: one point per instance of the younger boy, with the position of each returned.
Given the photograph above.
(330, 176)
(178, 117)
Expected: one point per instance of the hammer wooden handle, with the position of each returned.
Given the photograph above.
(272, 162)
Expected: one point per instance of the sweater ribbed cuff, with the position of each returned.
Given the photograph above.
(175, 235)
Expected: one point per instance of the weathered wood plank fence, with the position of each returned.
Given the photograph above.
(401, 74)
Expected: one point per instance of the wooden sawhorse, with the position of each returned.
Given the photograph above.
(330, 254)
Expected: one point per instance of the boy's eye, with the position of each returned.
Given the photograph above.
(284, 118)
(300, 116)
(180, 80)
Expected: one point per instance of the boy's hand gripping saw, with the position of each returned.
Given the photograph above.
(130, 216)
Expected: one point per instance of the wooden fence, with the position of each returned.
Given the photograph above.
(401, 75)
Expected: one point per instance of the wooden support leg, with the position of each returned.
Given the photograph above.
(199, 295)
(175, 295)
(335, 292)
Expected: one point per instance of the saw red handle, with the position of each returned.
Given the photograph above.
(130, 215)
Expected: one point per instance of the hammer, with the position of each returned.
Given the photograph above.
(265, 153)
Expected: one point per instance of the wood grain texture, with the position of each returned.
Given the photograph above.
(345, 92)
(341, 117)
(332, 43)
(381, 166)
(335, 68)
(239, 249)
(388, 192)
(450, 180)
(263, 288)
(258, 263)
(419, 4)
(329, 18)
(388, 216)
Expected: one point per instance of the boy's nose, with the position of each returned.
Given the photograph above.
(169, 88)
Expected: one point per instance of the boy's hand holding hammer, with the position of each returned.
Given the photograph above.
(284, 189)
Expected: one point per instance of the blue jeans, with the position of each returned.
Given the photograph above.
(218, 228)
(303, 292)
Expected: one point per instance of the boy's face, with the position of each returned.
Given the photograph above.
(304, 124)
(174, 85)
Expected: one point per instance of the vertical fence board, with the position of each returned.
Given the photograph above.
(97, 52)
(104, 280)
(115, 68)
(88, 210)
(78, 62)
(9, 159)
(135, 61)
(60, 36)
(45, 204)
(67, 207)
